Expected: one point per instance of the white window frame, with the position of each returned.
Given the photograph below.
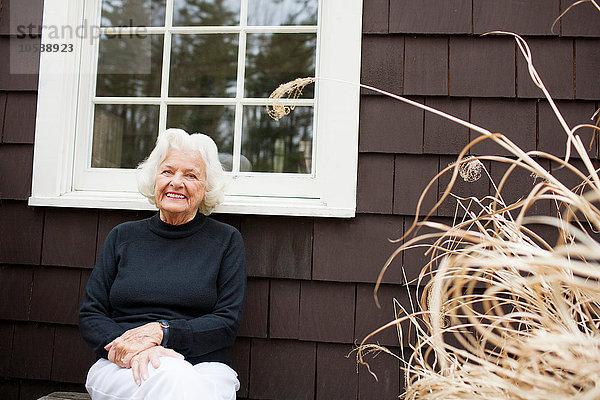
(330, 191)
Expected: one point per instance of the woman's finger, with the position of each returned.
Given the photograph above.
(154, 358)
(143, 357)
(135, 369)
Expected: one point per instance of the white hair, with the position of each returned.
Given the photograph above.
(180, 140)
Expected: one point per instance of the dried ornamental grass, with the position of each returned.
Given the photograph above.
(506, 311)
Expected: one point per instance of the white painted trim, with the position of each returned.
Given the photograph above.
(329, 191)
(231, 205)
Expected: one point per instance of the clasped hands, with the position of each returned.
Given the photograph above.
(137, 347)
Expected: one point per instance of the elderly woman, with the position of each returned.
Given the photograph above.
(164, 301)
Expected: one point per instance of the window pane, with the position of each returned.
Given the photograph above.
(282, 12)
(133, 12)
(215, 121)
(206, 12)
(124, 134)
(276, 58)
(203, 65)
(278, 146)
(129, 65)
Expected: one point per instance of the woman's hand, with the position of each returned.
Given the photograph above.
(139, 362)
(122, 349)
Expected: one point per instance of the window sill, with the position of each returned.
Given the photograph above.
(232, 204)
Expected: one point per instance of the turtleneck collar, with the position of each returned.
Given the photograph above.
(169, 231)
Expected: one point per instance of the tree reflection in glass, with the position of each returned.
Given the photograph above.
(129, 65)
(203, 65)
(278, 146)
(215, 121)
(282, 12)
(274, 58)
(133, 12)
(206, 12)
(123, 134)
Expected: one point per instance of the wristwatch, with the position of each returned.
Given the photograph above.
(164, 324)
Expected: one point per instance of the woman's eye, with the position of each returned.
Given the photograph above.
(191, 176)
(166, 172)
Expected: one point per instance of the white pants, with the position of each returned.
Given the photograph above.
(173, 379)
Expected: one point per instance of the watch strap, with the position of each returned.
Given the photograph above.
(165, 328)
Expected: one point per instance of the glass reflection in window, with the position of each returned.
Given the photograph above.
(133, 12)
(282, 12)
(129, 65)
(203, 65)
(275, 58)
(124, 134)
(278, 146)
(206, 12)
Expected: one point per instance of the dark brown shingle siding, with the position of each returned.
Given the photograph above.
(525, 17)
(431, 16)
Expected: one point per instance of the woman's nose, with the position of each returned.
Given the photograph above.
(176, 181)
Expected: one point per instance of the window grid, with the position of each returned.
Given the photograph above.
(239, 100)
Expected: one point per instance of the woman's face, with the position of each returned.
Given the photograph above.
(180, 186)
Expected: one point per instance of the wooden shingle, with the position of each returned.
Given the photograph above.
(390, 126)
(72, 356)
(32, 362)
(336, 372)
(15, 292)
(19, 17)
(370, 318)
(256, 309)
(553, 60)
(16, 164)
(530, 17)
(375, 190)
(7, 330)
(412, 175)
(70, 237)
(282, 369)
(355, 250)
(284, 309)
(440, 135)
(518, 185)
(19, 123)
(581, 20)
(587, 65)
(51, 305)
(382, 62)
(431, 16)
(426, 66)
(387, 369)
(2, 112)
(552, 136)
(275, 250)
(21, 233)
(21, 72)
(516, 119)
(326, 312)
(482, 67)
(375, 16)
(240, 362)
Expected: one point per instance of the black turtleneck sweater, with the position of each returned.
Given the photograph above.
(193, 275)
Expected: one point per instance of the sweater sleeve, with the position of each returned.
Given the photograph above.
(95, 323)
(217, 330)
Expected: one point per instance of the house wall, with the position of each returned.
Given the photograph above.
(310, 280)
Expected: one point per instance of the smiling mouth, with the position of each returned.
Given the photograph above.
(175, 196)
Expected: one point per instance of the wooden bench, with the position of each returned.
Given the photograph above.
(66, 396)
